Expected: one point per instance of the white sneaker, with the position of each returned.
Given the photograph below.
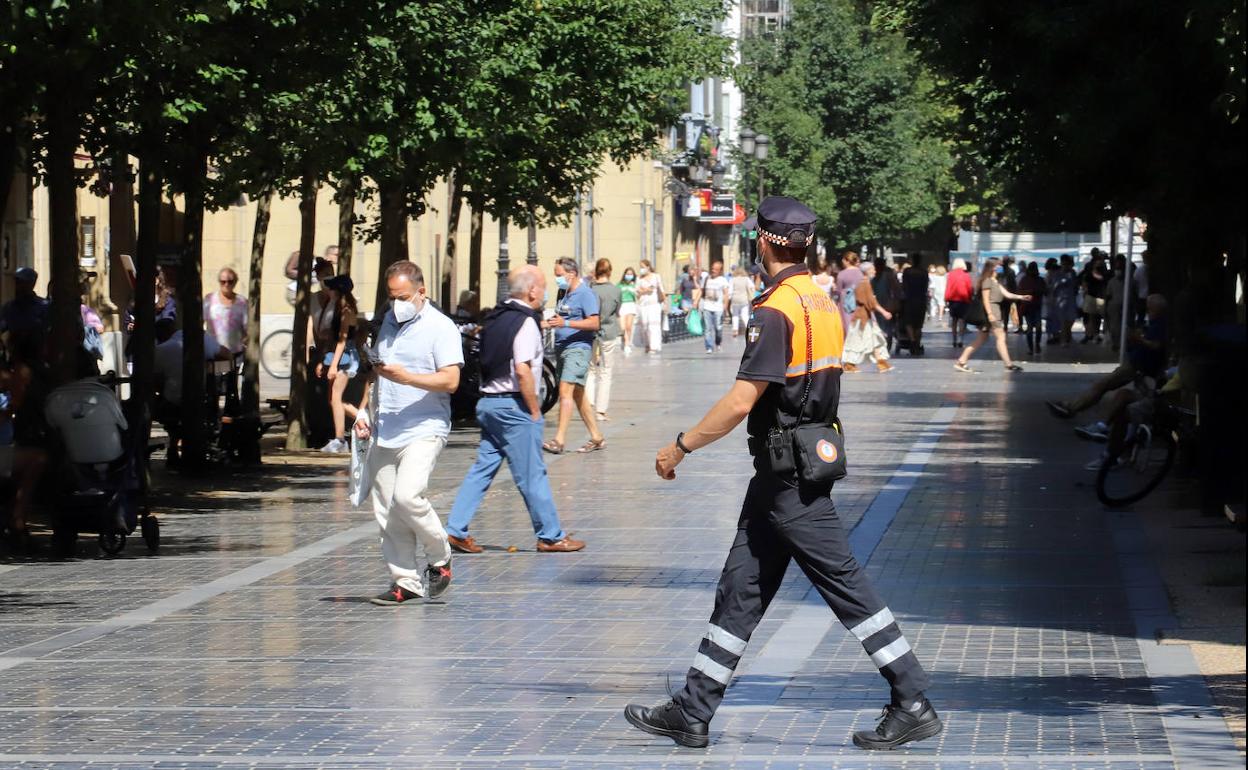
(335, 447)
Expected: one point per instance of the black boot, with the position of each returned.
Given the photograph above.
(900, 725)
(669, 720)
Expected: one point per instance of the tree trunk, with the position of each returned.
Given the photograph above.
(142, 340)
(297, 418)
(121, 233)
(531, 257)
(474, 245)
(191, 313)
(346, 224)
(251, 366)
(393, 236)
(9, 154)
(455, 200)
(66, 331)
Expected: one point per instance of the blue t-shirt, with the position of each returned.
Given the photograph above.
(1146, 360)
(576, 305)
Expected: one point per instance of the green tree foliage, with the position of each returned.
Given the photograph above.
(218, 99)
(1084, 106)
(560, 85)
(855, 123)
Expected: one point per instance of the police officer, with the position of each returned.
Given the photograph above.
(791, 369)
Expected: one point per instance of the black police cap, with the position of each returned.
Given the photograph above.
(786, 222)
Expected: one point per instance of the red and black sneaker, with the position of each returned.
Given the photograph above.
(395, 594)
(438, 579)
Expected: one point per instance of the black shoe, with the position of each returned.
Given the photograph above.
(395, 594)
(438, 579)
(898, 726)
(669, 720)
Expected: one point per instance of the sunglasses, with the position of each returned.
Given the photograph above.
(229, 282)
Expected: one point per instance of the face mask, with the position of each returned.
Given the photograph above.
(404, 310)
(645, 271)
(629, 278)
(561, 281)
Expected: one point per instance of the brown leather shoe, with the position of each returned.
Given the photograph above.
(464, 544)
(565, 545)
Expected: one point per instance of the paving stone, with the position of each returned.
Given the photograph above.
(998, 563)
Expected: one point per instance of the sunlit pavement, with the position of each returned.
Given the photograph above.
(249, 641)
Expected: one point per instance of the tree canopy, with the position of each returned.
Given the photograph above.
(854, 120)
(1085, 107)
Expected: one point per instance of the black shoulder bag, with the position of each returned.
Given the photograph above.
(815, 450)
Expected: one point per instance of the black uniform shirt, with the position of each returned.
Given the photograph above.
(775, 351)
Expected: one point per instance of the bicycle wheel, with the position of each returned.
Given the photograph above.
(275, 353)
(1145, 464)
(548, 388)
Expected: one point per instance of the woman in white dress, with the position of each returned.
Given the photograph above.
(650, 306)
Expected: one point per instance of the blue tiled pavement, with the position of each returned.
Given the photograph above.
(250, 643)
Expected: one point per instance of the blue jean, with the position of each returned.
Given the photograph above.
(507, 433)
(713, 326)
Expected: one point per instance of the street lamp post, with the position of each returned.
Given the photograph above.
(504, 260)
(755, 146)
(717, 175)
(762, 143)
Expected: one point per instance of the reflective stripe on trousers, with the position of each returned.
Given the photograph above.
(779, 523)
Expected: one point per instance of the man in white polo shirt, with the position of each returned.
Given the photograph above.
(420, 358)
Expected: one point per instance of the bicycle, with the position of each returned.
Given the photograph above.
(1147, 453)
(275, 353)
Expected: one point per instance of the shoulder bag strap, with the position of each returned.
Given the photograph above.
(810, 350)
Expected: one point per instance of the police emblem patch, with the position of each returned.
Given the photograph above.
(826, 450)
(752, 333)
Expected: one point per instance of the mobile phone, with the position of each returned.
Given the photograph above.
(371, 355)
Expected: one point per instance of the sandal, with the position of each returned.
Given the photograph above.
(961, 367)
(552, 446)
(593, 446)
(1013, 368)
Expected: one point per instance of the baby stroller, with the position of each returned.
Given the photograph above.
(100, 485)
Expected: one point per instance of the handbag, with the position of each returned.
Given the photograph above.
(818, 447)
(693, 323)
(976, 313)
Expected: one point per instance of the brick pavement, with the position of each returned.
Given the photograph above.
(249, 642)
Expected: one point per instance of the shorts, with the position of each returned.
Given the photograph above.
(958, 309)
(628, 308)
(574, 364)
(348, 363)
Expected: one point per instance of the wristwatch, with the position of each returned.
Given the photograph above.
(680, 444)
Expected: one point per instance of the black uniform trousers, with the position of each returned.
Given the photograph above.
(781, 522)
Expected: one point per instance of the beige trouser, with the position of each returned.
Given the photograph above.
(601, 370)
(406, 517)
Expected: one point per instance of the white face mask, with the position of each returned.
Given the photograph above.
(644, 271)
(404, 310)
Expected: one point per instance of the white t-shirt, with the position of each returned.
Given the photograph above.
(526, 349)
(167, 364)
(713, 291)
(650, 281)
(423, 345)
